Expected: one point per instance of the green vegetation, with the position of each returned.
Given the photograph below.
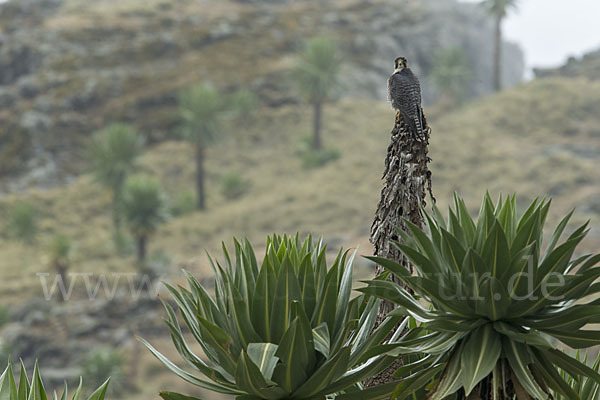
(300, 196)
(318, 76)
(158, 263)
(496, 303)
(184, 203)
(112, 154)
(24, 390)
(122, 243)
(59, 254)
(245, 103)
(202, 110)
(104, 363)
(4, 315)
(233, 185)
(498, 9)
(23, 222)
(288, 329)
(204, 113)
(586, 388)
(485, 142)
(521, 139)
(317, 158)
(5, 355)
(451, 74)
(59, 250)
(145, 208)
(312, 158)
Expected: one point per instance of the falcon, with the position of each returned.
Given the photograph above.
(404, 92)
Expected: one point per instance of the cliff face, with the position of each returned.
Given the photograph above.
(68, 67)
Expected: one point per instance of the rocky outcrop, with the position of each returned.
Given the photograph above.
(66, 71)
(61, 335)
(587, 66)
(16, 60)
(419, 30)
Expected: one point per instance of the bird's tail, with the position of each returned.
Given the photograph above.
(419, 126)
(414, 124)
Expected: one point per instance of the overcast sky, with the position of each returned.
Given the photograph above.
(549, 31)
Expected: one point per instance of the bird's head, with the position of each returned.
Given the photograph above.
(400, 64)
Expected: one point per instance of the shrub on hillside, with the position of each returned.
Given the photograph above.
(244, 103)
(318, 158)
(312, 158)
(158, 263)
(103, 363)
(122, 243)
(233, 185)
(22, 222)
(184, 203)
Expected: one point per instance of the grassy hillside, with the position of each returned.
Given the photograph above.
(112, 60)
(538, 139)
(122, 60)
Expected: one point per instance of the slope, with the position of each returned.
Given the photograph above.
(539, 139)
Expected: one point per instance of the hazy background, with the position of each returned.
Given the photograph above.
(550, 31)
(70, 69)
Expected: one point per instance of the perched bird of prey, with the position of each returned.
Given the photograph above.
(404, 92)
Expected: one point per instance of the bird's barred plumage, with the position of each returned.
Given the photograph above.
(404, 91)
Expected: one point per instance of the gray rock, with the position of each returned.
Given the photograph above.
(29, 87)
(60, 334)
(17, 60)
(20, 313)
(85, 325)
(34, 121)
(7, 98)
(35, 318)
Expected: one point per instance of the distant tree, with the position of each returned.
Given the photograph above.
(317, 75)
(498, 9)
(22, 222)
(451, 73)
(112, 154)
(202, 111)
(59, 254)
(144, 208)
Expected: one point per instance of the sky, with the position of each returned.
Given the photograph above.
(550, 31)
